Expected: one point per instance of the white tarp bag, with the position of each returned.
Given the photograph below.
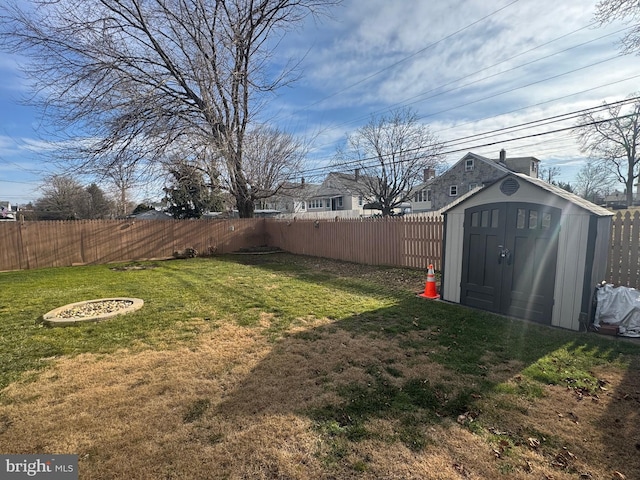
(618, 306)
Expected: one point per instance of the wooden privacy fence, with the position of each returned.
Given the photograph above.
(26, 245)
(397, 242)
(623, 262)
(401, 242)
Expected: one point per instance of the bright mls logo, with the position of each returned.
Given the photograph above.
(49, 467)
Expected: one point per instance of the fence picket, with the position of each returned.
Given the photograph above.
(404, 242)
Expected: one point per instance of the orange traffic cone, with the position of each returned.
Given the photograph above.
(430, 287)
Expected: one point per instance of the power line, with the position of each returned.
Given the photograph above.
(546, 121)
(15, 181)
(406, 102)
(513, 89)
(389, 67)
(363, 161)
(541, 103)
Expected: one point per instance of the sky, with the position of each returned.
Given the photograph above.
(466, 67)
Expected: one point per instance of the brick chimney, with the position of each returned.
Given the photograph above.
(503, 155)
(356, 174)
(429, 173)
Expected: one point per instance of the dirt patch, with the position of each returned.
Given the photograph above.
(125, 268)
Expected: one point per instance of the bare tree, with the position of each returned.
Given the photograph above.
(147, 76)
(611, 140)
(122, 173)
(272, 158)
(594, 183)
(390, 154)
(549, 174)
(626, 10)
(63, 198)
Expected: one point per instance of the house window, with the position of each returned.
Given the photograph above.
(453, 190)
(468, 165)
(423, 195)
(339, 202)
(360, 201)
(303, 206)
(472, 186)
(317, 203)
(328, 203)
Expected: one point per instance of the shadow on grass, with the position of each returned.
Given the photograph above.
(414, 364)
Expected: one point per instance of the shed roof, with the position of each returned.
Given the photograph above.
(559, 192)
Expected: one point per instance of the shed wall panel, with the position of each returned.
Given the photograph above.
(570, 269)
(601, 251)
(453, 261)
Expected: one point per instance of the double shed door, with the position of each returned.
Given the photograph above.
(509, 259)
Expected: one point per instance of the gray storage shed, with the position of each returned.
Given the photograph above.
(524, 248)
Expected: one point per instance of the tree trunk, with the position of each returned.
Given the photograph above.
(630, 190)
(245, 205)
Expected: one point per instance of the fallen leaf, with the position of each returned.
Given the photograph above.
(618, 475)
(533, 442)
(461, 469)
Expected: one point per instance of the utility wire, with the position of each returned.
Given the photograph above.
(539, 103)
(406, 101)
(364, 161)
(513, 89)
(546, 121)
(389, 67)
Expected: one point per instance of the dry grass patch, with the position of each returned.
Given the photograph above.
(236, 406)
(401, 388)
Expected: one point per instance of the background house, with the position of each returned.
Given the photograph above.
(291, 198)
(340, 194)
(6, 211)
(619, 200)
(470, 172)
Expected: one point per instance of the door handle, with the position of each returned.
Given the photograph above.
(504, 253)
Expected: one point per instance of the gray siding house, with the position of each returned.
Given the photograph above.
(470, 172)
(291, 198)
(339, 192)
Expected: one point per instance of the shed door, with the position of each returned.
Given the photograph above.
(509, 259)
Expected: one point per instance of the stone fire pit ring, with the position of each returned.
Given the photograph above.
(91, 311)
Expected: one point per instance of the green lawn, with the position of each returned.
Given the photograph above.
(477, 359)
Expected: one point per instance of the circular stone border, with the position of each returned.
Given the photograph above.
(52, 318)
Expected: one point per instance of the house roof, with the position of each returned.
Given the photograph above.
(570, 197)
(151, 215)
(298, 190)
(337, 184)
(619, 196)
(494, 163)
